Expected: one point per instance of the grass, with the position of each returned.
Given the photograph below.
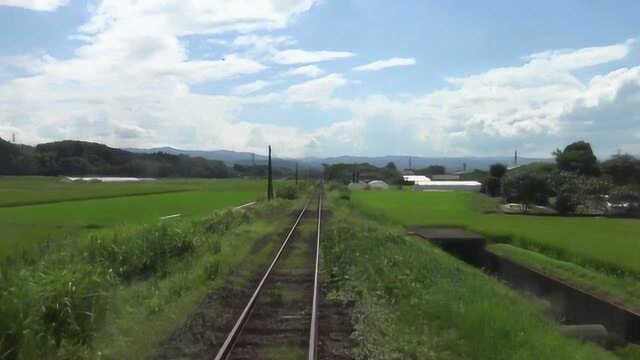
(602, 243)
(90, 297)
(31, 190)
(413, 301)
(27, 227)
(621, 290)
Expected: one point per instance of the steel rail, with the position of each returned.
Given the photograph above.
(229, 342)
(313, 331)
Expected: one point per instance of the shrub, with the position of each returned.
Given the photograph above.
(141, 251)
(51, 307)
(211, 268)
(498, 170)
(565, 204)
(493, 186)
(526, 188)
(288, 191)
(579, 191)
(72, 302)
(222, 221)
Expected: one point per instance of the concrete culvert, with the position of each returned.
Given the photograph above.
(589, 332)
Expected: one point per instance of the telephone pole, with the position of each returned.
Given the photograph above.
(269, 178)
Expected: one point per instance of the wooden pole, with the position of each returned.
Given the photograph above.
(269, 178)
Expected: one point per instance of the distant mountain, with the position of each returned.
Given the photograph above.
(245, 158)
(228, 156)
(452, 164)
(71, 157)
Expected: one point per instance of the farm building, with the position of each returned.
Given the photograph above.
(357, 186)
(378, 185)
(416, 179)
(445, 177)
(423, 183)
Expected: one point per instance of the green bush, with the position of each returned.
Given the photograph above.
(223, 221)
(134, 252)
(51, 308)
(565, 204)
(493, 186)
(287, 191)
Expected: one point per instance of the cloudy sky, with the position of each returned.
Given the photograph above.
(324, 77)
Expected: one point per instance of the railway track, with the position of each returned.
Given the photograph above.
(280, 318)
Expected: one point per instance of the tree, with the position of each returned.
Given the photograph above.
(431, 170)
(494, 182)
(526, 188)
(579, 158)
(391, 166)
(269, 178)
(498, 170)
(573, 190)
(623, 169)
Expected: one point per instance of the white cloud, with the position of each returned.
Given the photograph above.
(262, 43)
(250, 88)
(311, 71)
(128, 84)
(37, 5)
(297, 56)
(184, 17)
(383, 64)
(316, 90)
(535, 107)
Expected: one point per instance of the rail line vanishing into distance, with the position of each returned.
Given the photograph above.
(266, 325)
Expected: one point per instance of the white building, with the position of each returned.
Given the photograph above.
(423, 183)
(416, 179)
(378, 185)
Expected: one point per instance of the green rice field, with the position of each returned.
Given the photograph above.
(601, 242)
(56, 209)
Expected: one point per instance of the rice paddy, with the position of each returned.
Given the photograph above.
(613, 244)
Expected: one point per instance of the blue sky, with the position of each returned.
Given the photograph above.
(323, 78)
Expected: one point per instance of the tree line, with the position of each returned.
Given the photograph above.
(576, 182)
(80, 158)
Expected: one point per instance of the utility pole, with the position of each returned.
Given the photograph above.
(515, 158)
(296, 173)
(269, 178)
(410, 164)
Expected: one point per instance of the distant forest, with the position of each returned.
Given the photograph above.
(82, 158)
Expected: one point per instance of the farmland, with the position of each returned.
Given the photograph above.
(597, 242)
(60, 209)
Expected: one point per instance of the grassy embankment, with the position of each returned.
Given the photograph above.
(77, 208)
(608, 245)
(414, 301)
(117, 292)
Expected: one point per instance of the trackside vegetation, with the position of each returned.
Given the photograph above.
(413, 301)
(604, 244)
(117, 292)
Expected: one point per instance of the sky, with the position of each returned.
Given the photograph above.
(324, 77)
